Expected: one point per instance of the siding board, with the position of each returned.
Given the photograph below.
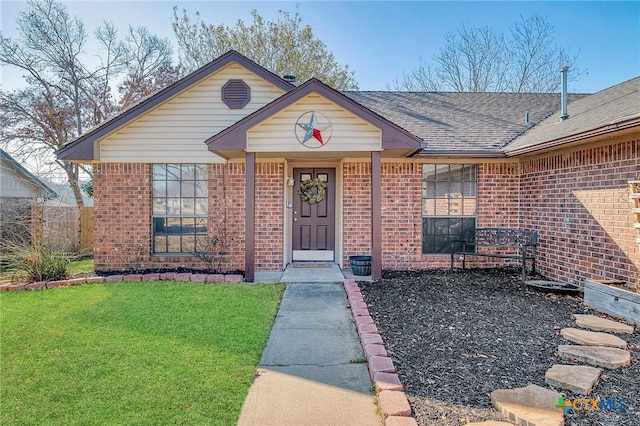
(175, 131)
(349, 132)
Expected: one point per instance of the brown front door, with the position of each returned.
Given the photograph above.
(314, 224)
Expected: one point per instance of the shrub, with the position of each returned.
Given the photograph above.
(37, 263)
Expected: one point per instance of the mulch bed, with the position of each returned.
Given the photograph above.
(455, 336)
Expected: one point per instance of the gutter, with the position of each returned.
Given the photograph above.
(446, 153)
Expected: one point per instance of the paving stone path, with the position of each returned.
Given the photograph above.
(592, 338)
(537, 406)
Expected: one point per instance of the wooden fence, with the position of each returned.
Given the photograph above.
(69, 228)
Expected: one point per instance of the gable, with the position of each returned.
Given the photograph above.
(175, 130)
(272, 128)
(86, 148)
(18, 182)
(15, 186)
(281, 132)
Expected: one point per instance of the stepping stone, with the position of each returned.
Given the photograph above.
(553, 286)
(597, 355)
(576, 378)
(592, 338)
(600, 324)
(531, 405)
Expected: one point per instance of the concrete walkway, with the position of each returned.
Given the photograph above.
(312, 370)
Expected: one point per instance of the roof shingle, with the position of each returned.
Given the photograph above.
(613, 105)
(462, 121)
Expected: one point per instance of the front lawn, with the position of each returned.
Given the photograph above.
(132, 353)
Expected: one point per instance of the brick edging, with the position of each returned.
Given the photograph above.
(167, 276)
(392, 400)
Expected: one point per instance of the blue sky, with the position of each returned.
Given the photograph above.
(381, 40)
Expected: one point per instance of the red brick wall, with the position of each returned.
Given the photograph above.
(269, 216)
(122, 211)
(227, 214)
(498, 195)
(498, 185)
(401, 216)
(357, 209)
(579, 202)
(122, 214)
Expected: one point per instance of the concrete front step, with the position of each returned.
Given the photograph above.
(596, 355)
(592, 338)
(601, 324)
(579, 379)
(532, 405)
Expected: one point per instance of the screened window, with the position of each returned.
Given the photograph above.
(449, 203)
(180, 199)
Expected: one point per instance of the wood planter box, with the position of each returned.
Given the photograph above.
(612, 300)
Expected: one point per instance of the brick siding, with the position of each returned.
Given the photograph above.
(227, 214)
(269, 216)
(580, 203)
(122, 214)
(122, 211)
(357, 209)
(401, 215)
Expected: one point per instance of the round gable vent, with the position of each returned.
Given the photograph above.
(236, 94)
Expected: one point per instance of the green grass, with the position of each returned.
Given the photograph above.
(132, 353)
(82, 265)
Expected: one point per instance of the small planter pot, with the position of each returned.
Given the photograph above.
(612, 300)
(360, 265)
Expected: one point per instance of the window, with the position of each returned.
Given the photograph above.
(449, 202)
(179, 208)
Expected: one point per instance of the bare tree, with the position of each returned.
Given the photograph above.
(148, 66)
(536, 58)
(64, 93)
(482, 60)
(284, 46)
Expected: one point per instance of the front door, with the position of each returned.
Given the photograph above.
(314, 222)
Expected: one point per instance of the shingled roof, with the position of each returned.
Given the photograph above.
(611, 109)
(458, 123)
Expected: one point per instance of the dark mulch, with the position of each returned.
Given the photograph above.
(455, 336)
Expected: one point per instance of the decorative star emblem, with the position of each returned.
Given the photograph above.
(313, 129)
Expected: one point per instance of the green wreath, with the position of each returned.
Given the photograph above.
(306, 190)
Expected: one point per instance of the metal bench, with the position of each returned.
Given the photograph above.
(506, 243)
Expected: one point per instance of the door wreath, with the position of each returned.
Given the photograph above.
(307, 190)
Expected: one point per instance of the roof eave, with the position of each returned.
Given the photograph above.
(607, 129)
(447, 153)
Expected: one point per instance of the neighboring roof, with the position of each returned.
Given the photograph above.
(463, 123)
(612, 109)
(26, 174)
(234, 138)
(82, 148)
